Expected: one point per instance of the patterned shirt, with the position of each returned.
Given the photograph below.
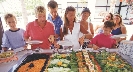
(57, 23)
(13, 39)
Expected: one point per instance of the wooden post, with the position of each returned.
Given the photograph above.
(1, 33)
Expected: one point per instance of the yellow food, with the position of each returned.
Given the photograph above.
(59, 63)
(63, 55)
(38, 64)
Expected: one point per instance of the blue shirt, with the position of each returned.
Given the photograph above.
(13, 39)
(57, 23)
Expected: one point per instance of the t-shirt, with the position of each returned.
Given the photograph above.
(13, 39)
(34, 31)
(102, 40)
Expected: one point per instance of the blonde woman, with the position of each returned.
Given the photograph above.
(40, 29)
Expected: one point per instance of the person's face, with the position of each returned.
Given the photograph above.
(70, 16)
(11, 22)
(41, 17)
(107, 17)
(53, 11)
(107, 30)
(116, 19)
(85, 15)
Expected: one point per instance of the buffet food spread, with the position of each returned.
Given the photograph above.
(75, 61)
(7, 56)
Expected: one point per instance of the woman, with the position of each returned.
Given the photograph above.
(119, 27)
(108, 17)
(40, 29)
(71, 29)
(87, 25)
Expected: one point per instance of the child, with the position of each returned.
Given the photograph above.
(12, 38)
(104, 39)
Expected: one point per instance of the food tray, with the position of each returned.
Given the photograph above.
(12, 55)
(28, 58)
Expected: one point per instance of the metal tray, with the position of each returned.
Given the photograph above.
(25, 58)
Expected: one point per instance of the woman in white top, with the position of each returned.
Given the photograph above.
(71, 29)
(87, 25)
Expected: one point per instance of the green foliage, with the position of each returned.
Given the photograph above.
(31, 4)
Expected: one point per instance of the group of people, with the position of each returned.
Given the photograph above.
(53, 29)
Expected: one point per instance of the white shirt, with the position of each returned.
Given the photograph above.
(74, 37)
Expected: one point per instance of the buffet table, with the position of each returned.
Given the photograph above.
(6, 67)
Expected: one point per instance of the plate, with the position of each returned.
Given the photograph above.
(65, 43)
(119, 36)
(34, 42)
(7, 54)
(18, 49)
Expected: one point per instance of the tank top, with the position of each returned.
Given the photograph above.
(74, 37)
(81, 34)
(116, 31)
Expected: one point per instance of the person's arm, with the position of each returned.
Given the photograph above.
(61, 30)
(115, 42)
(91, 29)
(89, 35)
(5, 42)
(93, 43)
(131, 38)
(61, 34)
(52, 35)
(27, 33)
(97, 26)
(124, 31)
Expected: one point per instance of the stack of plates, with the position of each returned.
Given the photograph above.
(34, 42)
(65, 43)
(118, 36)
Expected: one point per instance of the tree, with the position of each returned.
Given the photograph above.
(31, 4)
(1, 1)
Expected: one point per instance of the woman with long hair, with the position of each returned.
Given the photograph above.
(71, 29)
(99, 28)
(119, 27)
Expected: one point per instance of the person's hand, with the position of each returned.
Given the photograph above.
(81, 40)
(95, 47)
(118, 39)
(5, 49)
(25, 47)
(56, 45)
(51, 38)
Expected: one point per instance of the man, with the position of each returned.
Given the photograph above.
(54, 17)
(1, 33)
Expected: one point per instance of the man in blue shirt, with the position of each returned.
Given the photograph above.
(54, 17)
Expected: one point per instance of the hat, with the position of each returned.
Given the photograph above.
(86, 10)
